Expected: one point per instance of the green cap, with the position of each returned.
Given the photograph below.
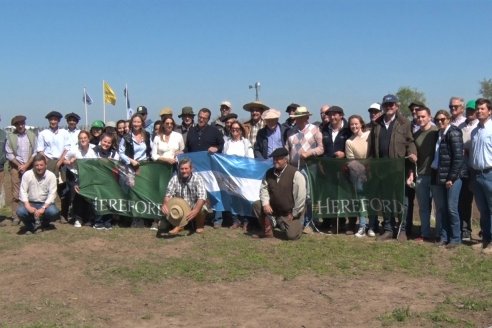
(471, 105)
(97, 124)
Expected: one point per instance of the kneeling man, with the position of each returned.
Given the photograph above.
(37, 196)
(191, 188)
(282, 198)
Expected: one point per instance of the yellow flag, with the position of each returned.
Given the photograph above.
(109, 95)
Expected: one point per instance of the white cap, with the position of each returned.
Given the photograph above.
(226, 103)
(374, 106)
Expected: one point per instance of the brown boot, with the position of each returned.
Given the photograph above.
(267, 230)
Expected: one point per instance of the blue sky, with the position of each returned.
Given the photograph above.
(193, 52)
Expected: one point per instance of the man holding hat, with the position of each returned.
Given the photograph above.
(149, 124)
(73, 133)
(20, 150)
(187, 121)
(392, 137)
(256, 108)
(190, 188)
(271, 137)
(466, 193)
(282, 198)
(225, 109)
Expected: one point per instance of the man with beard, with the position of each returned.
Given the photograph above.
(37, 197)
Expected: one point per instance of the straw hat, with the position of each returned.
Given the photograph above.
(255, 104)
(301, 111)
(270, 114)
(178, 210)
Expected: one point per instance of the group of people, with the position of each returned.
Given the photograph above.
(448, 160)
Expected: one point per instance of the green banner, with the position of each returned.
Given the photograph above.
(341, 187)
(116, 188)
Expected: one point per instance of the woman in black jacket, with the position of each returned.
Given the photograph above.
(447, 170)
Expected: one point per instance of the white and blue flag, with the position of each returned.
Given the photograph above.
(232, 182)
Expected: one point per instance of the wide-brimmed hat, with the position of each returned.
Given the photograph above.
(255, 104)
(270, 114)
(178, 210)
(187, 110)
(301, 111)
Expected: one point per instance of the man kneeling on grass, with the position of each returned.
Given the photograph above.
(191, 189)
(282, 198)
(37, 196)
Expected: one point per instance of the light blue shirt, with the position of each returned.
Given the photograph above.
(138, 148)
(274, 139)
(481, 146)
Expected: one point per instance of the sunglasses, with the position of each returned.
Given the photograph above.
(441, 120)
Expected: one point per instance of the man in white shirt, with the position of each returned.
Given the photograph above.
(37, 197)
(73, 132)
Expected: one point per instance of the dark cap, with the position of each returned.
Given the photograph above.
(54, 113)
(187, 110)
(416, 103)
(142, 110)
(17, 119)
(335, 109)
(291, 107)
(279, 152)
(389, 99)
(75, 116)
(228, 117)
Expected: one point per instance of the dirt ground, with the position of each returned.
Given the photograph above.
(43, 282)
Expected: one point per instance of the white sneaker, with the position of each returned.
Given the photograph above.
(371, 233)
(77, 224)
(361, 232)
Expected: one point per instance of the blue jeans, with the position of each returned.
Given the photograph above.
(482, 188)
(423, 195)
(447, 213)
(372, 222)
(50, 214)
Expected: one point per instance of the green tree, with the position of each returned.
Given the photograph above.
(407, 95)
(486, 88)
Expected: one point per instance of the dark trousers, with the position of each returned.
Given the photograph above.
(465, 205)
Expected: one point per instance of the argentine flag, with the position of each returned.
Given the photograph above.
(232, 182)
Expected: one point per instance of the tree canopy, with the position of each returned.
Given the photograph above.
(486, 88)
(407, 95)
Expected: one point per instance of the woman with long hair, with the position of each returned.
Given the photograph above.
(79, 203)
(135, 148)
(167, 143)
(447, 170)
(238, 145)
(356, 147)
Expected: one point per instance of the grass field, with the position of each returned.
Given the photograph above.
(72, 277)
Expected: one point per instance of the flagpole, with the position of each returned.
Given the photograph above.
(85, 107)
(104, 105)
(126, 100)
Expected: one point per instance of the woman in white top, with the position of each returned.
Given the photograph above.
(167, 143)
(238, 145)
(83, 151)
(356, 147)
